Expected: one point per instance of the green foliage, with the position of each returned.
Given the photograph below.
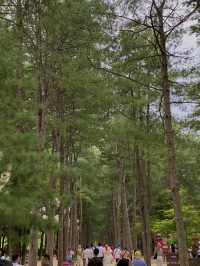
(103, 101)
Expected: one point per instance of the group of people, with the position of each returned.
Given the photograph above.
(103, 256)
(5, 259)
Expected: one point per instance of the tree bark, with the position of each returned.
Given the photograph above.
(41, 245)
(170, 141)
(119, 202)
(127, 238)
(134, 216)
(144, 205)
(50, 244)
(116, 239)
(127, 229)
(33, 248)
(60, 235)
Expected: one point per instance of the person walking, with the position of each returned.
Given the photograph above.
(125, 254)
(95, 261)
(117, 253)
(138, 260)
(158, 255)
(101, 251)
(68, 259)
(87, 255)
(107, 256)
(45, 260)
(123, 262)
(79, 256)
(16, 260)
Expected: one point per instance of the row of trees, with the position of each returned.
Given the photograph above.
(89, 147)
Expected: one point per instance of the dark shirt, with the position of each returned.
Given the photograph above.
(123, 262)
(95, 262)
(5, 263)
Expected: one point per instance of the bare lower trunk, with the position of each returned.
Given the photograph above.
(74, 224)
(32, 261)
(41, 245)
(127, 238)
(134, 216)
(127, 229)
(80, 220)
(50, 244)
(115, 219)
(51, 207)
(60, 235)
(144, 204)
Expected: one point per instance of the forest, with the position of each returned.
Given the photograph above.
(100, 120)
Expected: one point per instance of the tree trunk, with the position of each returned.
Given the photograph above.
(74, 224)
(50, 244)
(127, 239)
(144, 205)
(41, 245)
(3, 241)
(116, 240)
(127, 229)
(23, 253)
(119, 202)
(170, 140)
(33, 249)
(134, 217)
(51, 207)
(60, 235)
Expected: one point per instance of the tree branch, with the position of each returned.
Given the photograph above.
(184, 19)
(123, 76)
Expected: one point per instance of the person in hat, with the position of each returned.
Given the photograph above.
(138, 260)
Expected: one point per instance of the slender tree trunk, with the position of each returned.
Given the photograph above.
(80, 217)
(23, 252)
(19, 33)
(3, 241)
(41, 245)
(127, 238)
(127, 229)
(144, 205)
(119, 202)
(60, 235)
(170, 140)
(74, 224)
(51, 207)
(115, 219)
(33, 248)
(50, 244)
(134, 216)
(70, 227)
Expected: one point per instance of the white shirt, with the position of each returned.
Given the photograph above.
(91, 252)
(101, 251)
(16, 264)
(88, 253)
(117, 253)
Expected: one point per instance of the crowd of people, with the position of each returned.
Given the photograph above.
(103, 256)
(5, 260)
